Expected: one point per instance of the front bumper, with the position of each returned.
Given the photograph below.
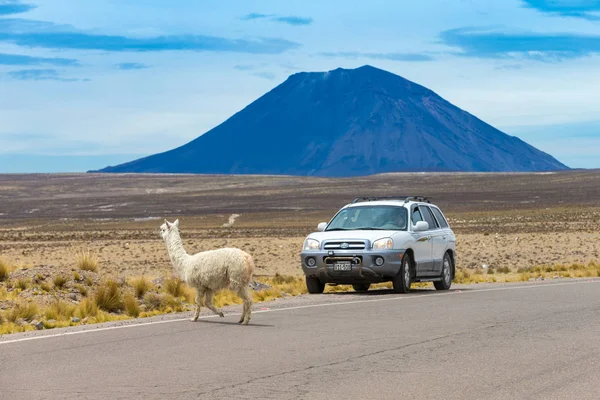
(363, 269)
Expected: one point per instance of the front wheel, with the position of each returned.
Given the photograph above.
(402, 281)
(314, 285)
(446, 281)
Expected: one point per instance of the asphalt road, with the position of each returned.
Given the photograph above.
(530, 341)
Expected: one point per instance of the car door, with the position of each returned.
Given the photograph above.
(438, 238)
(423, 244)
(433, 234)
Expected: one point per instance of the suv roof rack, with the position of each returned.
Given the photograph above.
(405, 198)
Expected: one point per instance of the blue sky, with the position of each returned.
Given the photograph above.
(85, 84)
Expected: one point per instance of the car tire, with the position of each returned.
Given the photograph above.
(314, 285)
(361, 287)
(402, 281)
(446, 281)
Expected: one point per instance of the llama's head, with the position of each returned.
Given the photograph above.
(168, 228)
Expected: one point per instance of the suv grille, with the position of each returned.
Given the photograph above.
(344, 245)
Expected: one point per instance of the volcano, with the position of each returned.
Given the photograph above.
(348, 122)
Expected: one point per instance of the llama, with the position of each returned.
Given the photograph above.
(210, 271)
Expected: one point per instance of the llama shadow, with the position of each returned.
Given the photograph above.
(213, 321)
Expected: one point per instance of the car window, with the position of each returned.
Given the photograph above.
(427, 216)
(370, 217)
(416, 216)
(440, 217)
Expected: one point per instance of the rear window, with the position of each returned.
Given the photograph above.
(428, 217)
(440, 217)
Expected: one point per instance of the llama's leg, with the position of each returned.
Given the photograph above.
(209, 303)
(199, 296)
(245, 294)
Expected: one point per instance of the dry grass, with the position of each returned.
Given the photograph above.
(132, 308)
(24, 311)
(174, 286)
(5, 270)
(152, 301)
(140, 286)
(59, 281)
(59, 311)
(87, 308)
(82, 289)
(22, 283)
(576, 270)
(108, 296)
(87, 261)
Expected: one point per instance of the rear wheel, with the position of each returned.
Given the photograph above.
(446, 281)
(361, 287)
(402, 281)
(314, 285)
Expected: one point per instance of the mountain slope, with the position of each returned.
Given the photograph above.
(345, 123)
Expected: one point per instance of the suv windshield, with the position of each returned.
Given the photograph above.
(370, 217)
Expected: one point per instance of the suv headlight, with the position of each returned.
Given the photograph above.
(311, 244)
(385, 243)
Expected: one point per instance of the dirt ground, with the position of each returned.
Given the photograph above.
(513, 220)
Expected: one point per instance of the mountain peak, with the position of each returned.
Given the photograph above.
(348, 122)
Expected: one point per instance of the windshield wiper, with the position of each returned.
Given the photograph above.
(371, 229)
(335, 229)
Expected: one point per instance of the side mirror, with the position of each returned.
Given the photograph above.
(321, 227)
(422, 226)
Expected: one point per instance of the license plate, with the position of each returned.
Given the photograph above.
(342, 266)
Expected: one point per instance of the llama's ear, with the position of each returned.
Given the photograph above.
(168, 224)
(176, 223)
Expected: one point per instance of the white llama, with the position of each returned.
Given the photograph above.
(210, 271)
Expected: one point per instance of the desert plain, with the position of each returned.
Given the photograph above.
(517, 223)
(501, 220)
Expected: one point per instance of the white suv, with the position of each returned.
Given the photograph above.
(381, 239)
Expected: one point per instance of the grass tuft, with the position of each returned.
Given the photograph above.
(4, 270)
(82, 289)
(140, 286)
(59, 311)
(152, 301)
(59, 281)
(132, 307)
(108, 297)
(87, 261)
(87, 308)
(22, 283)
(174, 287)
(22, 311)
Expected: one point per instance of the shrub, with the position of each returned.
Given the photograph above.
(22, 311)
(4, 270)
(59, 281)
(45, 287)
(108, 297)
(87, 308)
(82, 289)
(59, 310)
(140, 286)
(174, 287)
(152, 301)
(131, 306)
(87, 261)
(22, 283)
(76, 276)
